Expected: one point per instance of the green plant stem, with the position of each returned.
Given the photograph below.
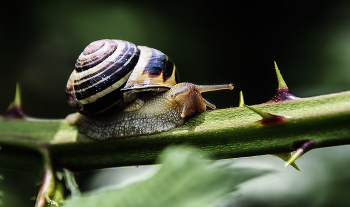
(51, 192)
(225, 133)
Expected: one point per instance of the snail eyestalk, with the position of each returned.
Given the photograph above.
(205, 88)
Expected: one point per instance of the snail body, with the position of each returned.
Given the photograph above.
(122, 90)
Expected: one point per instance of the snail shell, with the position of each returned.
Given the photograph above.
(121, 90)
(106, 69)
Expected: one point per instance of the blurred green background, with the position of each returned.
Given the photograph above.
(211, 42)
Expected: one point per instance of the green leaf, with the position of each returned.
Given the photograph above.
(186, 179)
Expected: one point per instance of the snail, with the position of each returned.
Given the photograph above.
(122, 90)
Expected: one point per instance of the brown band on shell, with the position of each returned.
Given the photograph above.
(153, 70)
(95, 54)
(98, 88)
(93, 47)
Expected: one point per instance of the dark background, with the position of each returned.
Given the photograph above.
(211, 42)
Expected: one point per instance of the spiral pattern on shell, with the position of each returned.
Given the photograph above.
(107, 69)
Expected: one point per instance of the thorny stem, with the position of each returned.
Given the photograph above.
(225, 133)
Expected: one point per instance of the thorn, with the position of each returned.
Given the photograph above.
(241, 99)
(286, 156)
(269, 119)
(281, 82)
(293, 158)
(306, 146)
(17, 100)
(283, 93)
(263, 114)
(14, 110)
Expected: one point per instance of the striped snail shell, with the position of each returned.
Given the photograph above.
(123, 90)
(107, 69)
